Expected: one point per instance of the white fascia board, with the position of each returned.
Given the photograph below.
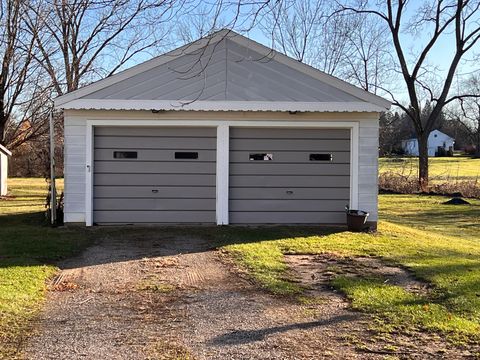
(112, 104)
(5, 150)
(140, 68)
(311, 71)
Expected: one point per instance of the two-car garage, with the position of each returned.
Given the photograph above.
(168, 175)
(220, 131)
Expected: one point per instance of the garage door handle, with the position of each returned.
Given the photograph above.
(154, 191)
(289, 192)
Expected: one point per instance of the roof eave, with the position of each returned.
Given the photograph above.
(5, 150)
(174, 105)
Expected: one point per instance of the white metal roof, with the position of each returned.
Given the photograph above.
(438, 132)
(4, 150)
(223, 72)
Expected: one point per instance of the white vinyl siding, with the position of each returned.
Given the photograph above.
(75, 151)
(368, 168)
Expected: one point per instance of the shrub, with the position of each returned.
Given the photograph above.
(408, 184)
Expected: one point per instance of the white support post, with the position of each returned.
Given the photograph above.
(89, 175)
(354, 164)
(223, 149)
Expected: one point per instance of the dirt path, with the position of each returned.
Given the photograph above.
(171, 297)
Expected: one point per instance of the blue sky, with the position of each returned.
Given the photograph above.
(439, 57)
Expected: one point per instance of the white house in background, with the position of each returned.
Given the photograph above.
(4, 154)
(436, 140)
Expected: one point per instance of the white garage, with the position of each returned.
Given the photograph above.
(221, 131)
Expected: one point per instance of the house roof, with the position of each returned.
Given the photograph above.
(431, 133)
(4, 150)
(223, 72)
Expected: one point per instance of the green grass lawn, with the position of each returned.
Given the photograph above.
(438, 243)
(442, 168)
(28, 248)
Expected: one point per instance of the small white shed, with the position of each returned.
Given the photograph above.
(436, 140)
(4, 155)
(222, 131)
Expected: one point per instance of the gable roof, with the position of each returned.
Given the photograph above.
(430, 135)
(223, 72)
(4, 150)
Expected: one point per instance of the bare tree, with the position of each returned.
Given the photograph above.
(367, 62)
(469, 116)
(198, 20)
(84, 40)
(349, 46)
(305, 31)
(20, 87)
(457, 20)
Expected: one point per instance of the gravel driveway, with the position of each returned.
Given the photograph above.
(161, 296)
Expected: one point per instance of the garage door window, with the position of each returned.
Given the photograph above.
(321, 157)
(261, 157)
(186, 155)
(125, 155)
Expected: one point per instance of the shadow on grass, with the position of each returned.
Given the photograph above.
(28, 238)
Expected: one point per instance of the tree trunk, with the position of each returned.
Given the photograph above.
(3, 123)
(477, 145)
(423, 162)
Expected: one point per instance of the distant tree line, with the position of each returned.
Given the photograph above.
(50, 47)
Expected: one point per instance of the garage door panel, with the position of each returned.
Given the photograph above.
(291, 193)
(154, 180)
(291, 205)
(153, 186)
(279, 133)
(137, 142)
(285, 169)
(154, 167)
(169, 192)
(268, 181)
(295, 157)
(154, 204)
(251, 217)
(150, 217)
(271, 145)
(148, 131)
(155, 155)
(289, 187)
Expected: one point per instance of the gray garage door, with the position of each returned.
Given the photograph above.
(154, 175)
(289, 175)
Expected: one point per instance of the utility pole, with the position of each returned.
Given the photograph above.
(53, 190)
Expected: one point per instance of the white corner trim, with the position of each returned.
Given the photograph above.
(89, 162)
(222, 175)
(222, 166)
(354, 164)
(175, 105)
